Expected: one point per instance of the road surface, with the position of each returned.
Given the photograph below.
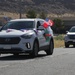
(62, 62)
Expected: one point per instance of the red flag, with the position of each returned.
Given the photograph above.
(51, 23)
(45, 24)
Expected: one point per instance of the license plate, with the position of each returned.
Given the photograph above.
(7, 47)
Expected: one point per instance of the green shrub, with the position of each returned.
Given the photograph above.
(59, 37)
(31, 14)
(58, 26)
(43, 15)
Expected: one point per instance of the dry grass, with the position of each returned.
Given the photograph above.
(12, 15)
(51, 15)
(58, 43)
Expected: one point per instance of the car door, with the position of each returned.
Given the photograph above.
(47, 31)
(41, 37)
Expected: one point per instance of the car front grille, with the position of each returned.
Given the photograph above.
(72, 36)
(10, 40)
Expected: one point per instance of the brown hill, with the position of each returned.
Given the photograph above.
(49, 6)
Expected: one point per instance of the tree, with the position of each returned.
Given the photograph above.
(31, 14)
(43, 15)
(58, 25)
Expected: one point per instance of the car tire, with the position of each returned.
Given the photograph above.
(34, 53)
(73, 45)
(66, 45)
(50, 49)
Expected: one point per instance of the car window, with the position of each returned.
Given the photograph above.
(41, 22)
(72, 30)
(38, 24)
(19, 25)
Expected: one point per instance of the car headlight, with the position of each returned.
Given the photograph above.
(26, 36)
(67, 36)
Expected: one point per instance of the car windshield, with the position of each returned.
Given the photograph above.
(72, 30)
(19, 25)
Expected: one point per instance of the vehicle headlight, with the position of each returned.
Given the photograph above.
(67, 36)
(26, 36)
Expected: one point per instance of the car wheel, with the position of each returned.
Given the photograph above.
(73, 45)
(34, 53)
(50, 49)
(66, 45)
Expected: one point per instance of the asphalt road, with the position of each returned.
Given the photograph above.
(62, 62)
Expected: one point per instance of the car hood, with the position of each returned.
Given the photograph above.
(13, 32)
(71, 33)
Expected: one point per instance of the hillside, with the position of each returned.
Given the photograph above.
(49, 6)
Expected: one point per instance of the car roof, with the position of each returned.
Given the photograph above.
(27, 19)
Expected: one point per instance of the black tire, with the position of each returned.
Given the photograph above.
(34, 53)
(73, 45)
(66, 45)
(50, 49)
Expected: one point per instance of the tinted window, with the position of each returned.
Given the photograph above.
(19, 25)
(72, 30)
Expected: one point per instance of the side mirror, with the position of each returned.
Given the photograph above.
(40, 28)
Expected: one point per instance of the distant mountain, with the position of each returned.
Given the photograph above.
(49, 6)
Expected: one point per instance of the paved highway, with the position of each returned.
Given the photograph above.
(62, 62)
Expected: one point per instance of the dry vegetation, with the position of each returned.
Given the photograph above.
(59, 41)
(51, 15)
(12, 15)
(54, 7)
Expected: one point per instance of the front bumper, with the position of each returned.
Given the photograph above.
(24, 46)
(14, 50)
(70, 41)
